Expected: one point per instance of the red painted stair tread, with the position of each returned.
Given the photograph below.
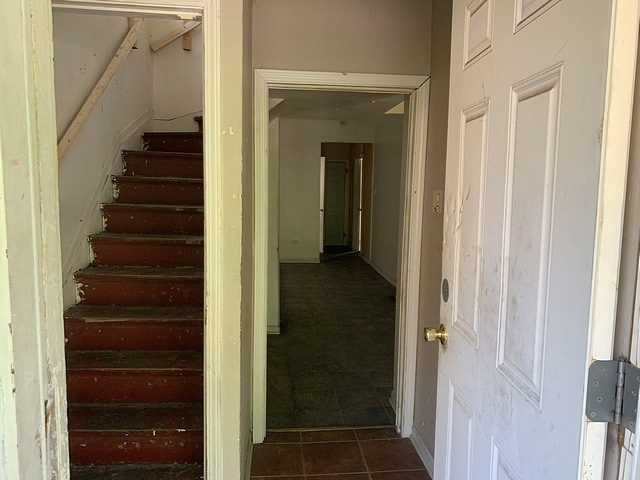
(110, 313)
(136, 416)
(103, 360)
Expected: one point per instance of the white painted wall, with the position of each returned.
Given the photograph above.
(84, 45)
(177, 79)
(300, 141)
(385, 218)
(431, 264)
(368, 36)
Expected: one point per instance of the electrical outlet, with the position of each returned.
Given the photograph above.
(438, 196)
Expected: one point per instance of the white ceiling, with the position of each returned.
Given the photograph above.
(324, 105)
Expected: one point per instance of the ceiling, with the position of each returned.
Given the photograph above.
(327, 105)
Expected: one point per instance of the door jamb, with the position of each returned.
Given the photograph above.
(323, 165)
(215, 377)
(615, 135)
(417, 87)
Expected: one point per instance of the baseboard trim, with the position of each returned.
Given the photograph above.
(383, 274)
(423, 451)
(273, 329)
(393, 397)
(70, 257)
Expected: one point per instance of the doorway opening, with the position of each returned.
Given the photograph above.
(411, 216)
(201, 13)
(346, 180)
(132, 234)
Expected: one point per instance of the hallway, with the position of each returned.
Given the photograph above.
(332, 365)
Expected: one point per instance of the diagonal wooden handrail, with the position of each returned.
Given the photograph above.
(98, 91)
(175, 34)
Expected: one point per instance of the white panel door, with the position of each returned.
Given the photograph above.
(527, 102)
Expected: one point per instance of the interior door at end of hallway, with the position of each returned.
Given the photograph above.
(527, 96)
(334, 203)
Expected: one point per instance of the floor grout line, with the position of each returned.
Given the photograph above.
(364, 460)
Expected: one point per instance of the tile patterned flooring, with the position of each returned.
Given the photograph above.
(345, 454)
(332, 365)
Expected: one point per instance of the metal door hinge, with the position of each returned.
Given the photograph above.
(612, 393)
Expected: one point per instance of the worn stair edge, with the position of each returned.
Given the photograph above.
(163, 154)
(138, 472)
(118, 360)
(158, 190)
(153, 219)
(122, 249)
(110, 313)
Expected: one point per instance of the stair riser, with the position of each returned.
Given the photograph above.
(187, 143)
(147, 255)
(135, 291)
(162, 167)
(100, 447)
(81, 335)
(152, 222)
(104, 386)
(163, 194)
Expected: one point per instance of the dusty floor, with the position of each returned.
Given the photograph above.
(332, 366)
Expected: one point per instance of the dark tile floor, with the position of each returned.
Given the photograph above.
(332, 365)
(347, 454)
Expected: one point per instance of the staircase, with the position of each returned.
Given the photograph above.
(134, 341)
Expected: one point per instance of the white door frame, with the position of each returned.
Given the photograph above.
(417, 87)
(220, 439)
(615, 141)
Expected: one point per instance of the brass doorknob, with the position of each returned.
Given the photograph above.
(432, 334)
